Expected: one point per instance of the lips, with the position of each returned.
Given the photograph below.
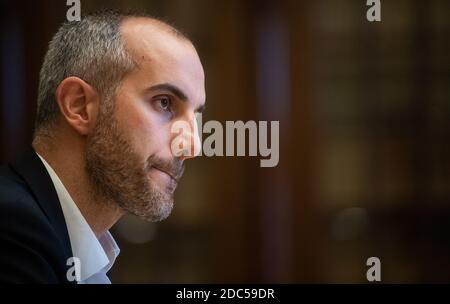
(171, 175)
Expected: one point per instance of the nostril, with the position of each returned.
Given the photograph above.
(186, 142)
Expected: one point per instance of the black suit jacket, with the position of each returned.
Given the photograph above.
(34, 242)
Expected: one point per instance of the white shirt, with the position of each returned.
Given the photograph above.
(96, 256)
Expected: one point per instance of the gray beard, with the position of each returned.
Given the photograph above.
(118, 176)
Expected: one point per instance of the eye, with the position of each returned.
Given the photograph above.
(164, 103)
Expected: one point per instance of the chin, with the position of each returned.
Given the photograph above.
(163, 211)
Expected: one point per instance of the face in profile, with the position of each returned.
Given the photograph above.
(128, 153)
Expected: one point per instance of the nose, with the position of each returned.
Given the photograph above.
(186, 144)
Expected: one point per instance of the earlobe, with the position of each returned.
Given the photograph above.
(78, 102)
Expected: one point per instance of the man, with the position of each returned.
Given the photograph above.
(111, 87)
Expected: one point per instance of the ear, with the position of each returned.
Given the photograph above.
(78, 103)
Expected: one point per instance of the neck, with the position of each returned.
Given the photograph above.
(69, 164)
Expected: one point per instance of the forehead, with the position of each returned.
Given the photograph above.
(163, 57)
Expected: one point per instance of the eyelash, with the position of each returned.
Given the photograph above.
(169, 105)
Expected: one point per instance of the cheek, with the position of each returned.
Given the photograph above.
(145, 130)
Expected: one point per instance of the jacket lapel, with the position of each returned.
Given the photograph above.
(33, 171)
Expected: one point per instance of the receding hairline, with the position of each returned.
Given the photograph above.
(158, 25)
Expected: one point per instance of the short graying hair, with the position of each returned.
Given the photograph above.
(91, 49)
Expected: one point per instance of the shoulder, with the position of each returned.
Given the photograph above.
(31, 249)
(17, 204)
(11, 185)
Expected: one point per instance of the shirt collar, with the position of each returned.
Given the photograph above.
(95, 254)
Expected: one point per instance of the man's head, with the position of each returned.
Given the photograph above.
(116, 84)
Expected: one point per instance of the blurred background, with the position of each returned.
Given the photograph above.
(364, 111)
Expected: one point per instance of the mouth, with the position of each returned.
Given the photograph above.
(174, 179)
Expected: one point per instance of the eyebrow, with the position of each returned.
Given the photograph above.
(175, 91)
